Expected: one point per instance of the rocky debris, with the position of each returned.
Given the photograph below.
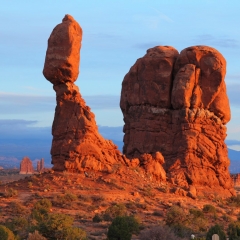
(26, 166)
(40, 165)
(177, 104)
(77, 144)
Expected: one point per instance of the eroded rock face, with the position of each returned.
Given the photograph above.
(177, 104)
(76, 145)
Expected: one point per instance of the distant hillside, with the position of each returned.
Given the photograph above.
(234, 157)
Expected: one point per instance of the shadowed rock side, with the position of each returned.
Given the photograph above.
(177, 104)
(77, 145)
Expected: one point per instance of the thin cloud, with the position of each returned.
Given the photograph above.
(11, 103)
(147, 45)
(225, 42)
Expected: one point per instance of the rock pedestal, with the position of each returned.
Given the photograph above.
(76, 145)
(177, 104)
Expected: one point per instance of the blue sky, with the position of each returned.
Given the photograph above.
(115, 34)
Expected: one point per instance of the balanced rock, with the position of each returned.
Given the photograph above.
(177, 104)
(76, 144)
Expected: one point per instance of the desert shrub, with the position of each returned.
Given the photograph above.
(175, 216)
(65, 200)
(147, 192)
(59, 226)
(35, 236)
(97, 218)
(234, 201)
(19, 225)
(41, 209)
(114, 211)
(43, 204)
(122, 228)
(181, 230)
(17, 208)
(216, 229)
(197, 220)
(196, 213)
(6, 234)
(10, 192)
(160, 232)
(97, 198)
(208, 208)
(234, 231)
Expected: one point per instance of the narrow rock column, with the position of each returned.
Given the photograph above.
(76, 144)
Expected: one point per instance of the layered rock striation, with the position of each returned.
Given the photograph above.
(76, 144)
(177, 104)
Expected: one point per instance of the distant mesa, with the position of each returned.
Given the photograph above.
(26, 166)
(40, 165)
(177, 104)
(175, 111)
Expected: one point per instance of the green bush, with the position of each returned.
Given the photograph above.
(59, 226)
(196, 213)
(97, 218)
(65, 200)
(122, 228)
(19, 225)
(6, 234)
(176, 216)
(181, 230)
(114, 211)
(43, 204)
(234, 231)
(216, 229)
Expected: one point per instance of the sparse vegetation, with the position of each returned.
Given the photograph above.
(10, 192)
(161, 232)
(93, 205)
(122, 228)
(216, 229)
(6, 234)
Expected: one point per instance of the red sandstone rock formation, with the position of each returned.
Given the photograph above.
(26, 166)
(76, 145)
(40, 165)
(177, 104)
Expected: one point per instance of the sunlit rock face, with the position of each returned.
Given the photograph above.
(177, 104)
(76, 144)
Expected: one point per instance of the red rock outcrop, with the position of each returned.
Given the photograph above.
(40, 165)
(177, 104)
(76, 144)
(26, 166)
